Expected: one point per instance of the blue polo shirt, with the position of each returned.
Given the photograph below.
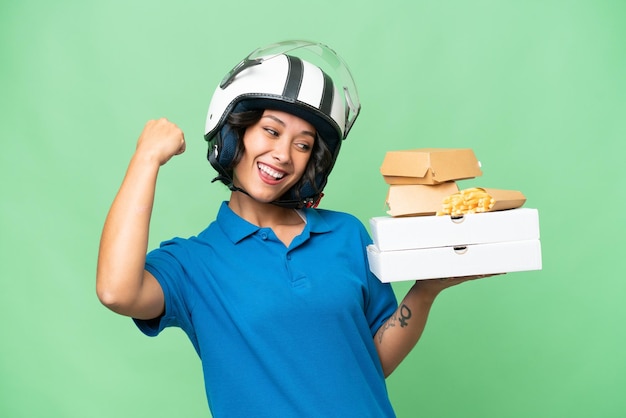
(281, 332)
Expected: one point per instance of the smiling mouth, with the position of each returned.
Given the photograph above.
(271, 172)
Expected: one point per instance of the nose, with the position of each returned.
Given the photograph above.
(281, 152)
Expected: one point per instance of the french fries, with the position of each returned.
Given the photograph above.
(472, 200)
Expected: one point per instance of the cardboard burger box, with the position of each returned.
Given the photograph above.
(418, 199)
(419, 179)
(429, 166)
(414, 248)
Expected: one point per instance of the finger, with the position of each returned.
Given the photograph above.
(182, 148)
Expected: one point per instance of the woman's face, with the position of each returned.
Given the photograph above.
(276, 151)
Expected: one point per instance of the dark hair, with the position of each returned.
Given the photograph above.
(319, 163)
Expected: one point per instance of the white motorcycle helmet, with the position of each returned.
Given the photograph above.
(304, 78)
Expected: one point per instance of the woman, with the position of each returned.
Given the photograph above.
(275, 295)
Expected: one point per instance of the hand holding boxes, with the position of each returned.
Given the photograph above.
(412, 243)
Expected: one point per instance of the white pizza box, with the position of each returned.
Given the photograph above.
(392, 233)
(432, 263)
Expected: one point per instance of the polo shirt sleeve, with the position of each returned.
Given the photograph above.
(381, 302)
(166, 265)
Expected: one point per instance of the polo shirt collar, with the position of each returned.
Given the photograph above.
(315, 222)
(237, 228)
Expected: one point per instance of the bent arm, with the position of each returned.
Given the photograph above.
(399, 334)
(122, 284)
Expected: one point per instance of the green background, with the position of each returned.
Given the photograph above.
(536, 88)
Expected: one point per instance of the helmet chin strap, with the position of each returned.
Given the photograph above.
(309, 202)
(229, 183)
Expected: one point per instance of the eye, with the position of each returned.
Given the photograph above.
(271, 131)
(303, 146)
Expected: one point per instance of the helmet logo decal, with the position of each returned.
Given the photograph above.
(294, 78)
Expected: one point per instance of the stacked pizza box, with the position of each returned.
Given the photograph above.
(434, 229)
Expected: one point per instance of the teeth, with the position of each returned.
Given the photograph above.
(271, 172)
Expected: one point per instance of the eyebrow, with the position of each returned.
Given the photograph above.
(279, 121)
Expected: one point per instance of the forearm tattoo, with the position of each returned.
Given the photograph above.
(405, 314)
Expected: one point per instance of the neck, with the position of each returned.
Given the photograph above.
(266, 215)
